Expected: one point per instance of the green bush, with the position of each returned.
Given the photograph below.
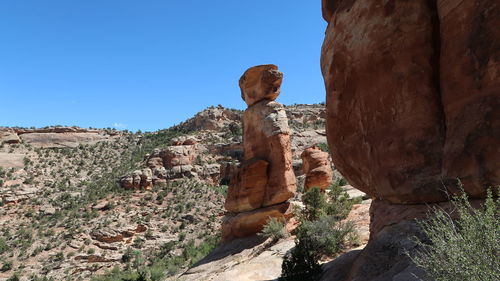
(3, 245)
(275, 229)
(326, 235)
(6, 266)
(466, 248)
(301, 264)
(320, 233)
(341, 204)
(315, 204)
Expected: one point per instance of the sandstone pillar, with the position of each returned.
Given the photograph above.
(265, 180)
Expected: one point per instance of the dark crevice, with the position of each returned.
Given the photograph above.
(436, 64)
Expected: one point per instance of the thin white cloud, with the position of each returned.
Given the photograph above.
(119, 126)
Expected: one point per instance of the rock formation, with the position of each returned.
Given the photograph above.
(413, 96)
(413, 91)
(317, 168)
(265, 180)
(172, 163)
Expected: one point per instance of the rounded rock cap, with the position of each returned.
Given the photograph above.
(262, 82)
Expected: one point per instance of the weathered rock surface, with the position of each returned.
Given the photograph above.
(238, 225)
(317, 168)
(262, 82)
(265, 180)
(411, 92)
(266, 136)
(11, 160)
(9, 136)
(212, 118)
(470, 92)
(241, 259)
(249, 188)
(177, 155)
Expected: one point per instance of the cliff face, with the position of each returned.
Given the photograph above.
(413, 91)
(412, 88)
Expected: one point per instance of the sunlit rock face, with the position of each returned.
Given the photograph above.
(265, 180)
(413, 93)
(317, 168)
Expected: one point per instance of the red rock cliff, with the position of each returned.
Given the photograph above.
(413, 95)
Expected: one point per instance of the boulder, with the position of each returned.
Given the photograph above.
(260, 82)
(317, 168)
(470, 92)
(412, 88)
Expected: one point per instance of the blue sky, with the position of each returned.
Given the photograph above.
(149, 64)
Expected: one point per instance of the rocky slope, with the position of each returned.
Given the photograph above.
(64, 215)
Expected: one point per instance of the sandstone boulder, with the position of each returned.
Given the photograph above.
(317, 168)
(138, 179)
(412, 88)
(260, 82)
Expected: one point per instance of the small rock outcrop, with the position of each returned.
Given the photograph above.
(264, 182)
(317, 168)
(174, 162)
(8, 136)
(211, 119)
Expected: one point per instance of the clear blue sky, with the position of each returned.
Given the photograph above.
(149, 64)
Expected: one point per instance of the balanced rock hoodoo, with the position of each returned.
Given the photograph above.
(261, 186)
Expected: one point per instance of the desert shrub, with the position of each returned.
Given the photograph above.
(323, 147)
(6, 266)
(327, 236)
(301, 264)
(14, 277)
(320, 234)
(274, 229)
(341, 204)
(314, 204)
(466, 248)
(3, 246)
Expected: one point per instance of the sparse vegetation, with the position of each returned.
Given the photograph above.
(274, 229)
(320, 234)
(465, 248)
